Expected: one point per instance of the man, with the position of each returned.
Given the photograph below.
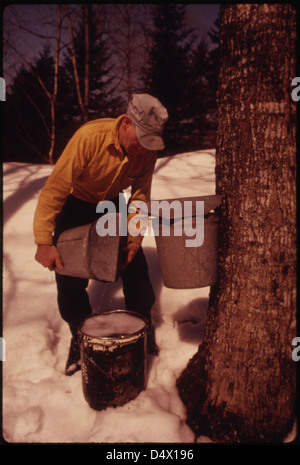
(102, 158)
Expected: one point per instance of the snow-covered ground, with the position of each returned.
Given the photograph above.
(41, 404)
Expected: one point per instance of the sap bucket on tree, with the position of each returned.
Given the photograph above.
(85, 254)
(185, 267)
(113, 349)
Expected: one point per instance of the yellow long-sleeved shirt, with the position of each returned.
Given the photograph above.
(93, 168)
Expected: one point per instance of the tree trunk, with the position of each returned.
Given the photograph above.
(54, 95)
(241, 384)
(86, 61)
(81, 100)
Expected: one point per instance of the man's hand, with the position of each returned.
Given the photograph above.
(49, 257)
(131, 249)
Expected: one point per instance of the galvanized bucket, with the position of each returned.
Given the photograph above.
(85, 254)
(191, 267)
(113, 351)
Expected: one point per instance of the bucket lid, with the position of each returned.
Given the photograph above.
(210, 203)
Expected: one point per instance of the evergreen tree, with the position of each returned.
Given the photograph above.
(27, 112)
(197, 97)
(202, 91)
(100, 101)
(212, 75)
(167, 74)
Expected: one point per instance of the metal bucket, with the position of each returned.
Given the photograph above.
(113, 349)
(85, 254)
(191, 267)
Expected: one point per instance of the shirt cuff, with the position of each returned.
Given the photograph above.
(43, 239)
(135, 239)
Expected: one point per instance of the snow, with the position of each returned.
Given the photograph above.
(40, 403)
(112, 325)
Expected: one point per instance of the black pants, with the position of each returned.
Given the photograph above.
(72, 296)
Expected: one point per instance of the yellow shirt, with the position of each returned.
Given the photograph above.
(93, 168)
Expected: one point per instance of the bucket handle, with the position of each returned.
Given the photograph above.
(107, 375)
(100, 369)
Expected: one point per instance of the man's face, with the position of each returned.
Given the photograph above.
(128, 139)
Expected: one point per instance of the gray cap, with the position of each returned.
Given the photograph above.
(149, 116)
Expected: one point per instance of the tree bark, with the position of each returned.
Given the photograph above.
(81, 100)
(241, 384)
(87, 61)
(54, 95)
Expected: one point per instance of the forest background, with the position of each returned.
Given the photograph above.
(92, 58)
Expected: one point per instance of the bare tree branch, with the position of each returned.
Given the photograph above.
(74, 61)
(87, 59)
(30, 31)
(53, 99)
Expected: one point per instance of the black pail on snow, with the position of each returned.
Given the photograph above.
(113, 358)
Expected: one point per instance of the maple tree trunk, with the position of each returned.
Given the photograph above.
(241, 384)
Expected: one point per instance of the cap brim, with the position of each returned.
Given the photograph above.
(149, 141)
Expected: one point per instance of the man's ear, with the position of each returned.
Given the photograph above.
(127, 122)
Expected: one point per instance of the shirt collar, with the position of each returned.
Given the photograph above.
(114, 135)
